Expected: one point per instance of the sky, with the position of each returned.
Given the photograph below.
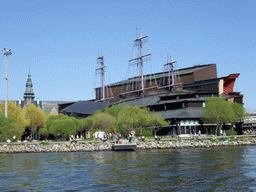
(61, 39)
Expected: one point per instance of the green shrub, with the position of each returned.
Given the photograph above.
(230, 132)
(212, 132)
(143, 132)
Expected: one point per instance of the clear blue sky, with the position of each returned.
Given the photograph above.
(61, 39)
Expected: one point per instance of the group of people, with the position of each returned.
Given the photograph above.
(72, 139)
(223, 133)
(141, 138)
(158, 138)
(247, 132)
(106, 136)
(115, 137)
(29, 138)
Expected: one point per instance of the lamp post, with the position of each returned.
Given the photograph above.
(6, 53)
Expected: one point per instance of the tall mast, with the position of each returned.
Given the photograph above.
(139, 61)
(170, 68)
(101, 70)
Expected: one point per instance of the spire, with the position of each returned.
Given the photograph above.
(29, 94)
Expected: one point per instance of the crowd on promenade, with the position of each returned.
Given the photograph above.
(249, 132)
(130, 137)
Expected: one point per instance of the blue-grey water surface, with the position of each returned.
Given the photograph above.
(193, 169)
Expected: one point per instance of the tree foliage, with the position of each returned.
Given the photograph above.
(64, 127)
(133, 117)
(15, 112)
(113, 110)
(239, 111)
(4, 126)
(60, 125)
(218, 110)
(9, 127)
(124, 118)
(43, 131)
(35, 117)
(105, 122)
(86, 124)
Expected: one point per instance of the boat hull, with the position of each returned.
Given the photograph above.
(124, 147)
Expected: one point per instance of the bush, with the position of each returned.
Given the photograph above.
(145, 132)
(230, 132)
(212, 132)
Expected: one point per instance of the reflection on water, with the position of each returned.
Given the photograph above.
(201, 169)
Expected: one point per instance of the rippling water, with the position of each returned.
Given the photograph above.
(195, 169)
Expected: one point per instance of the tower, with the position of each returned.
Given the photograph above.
(29, 95)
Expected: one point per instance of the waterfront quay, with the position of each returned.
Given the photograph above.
(166, 143)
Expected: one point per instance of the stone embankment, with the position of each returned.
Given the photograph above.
(37, 147)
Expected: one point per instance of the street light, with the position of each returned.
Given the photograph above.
(6, 53)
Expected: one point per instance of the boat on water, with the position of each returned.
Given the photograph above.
(124, 147)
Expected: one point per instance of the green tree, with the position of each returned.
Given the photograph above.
(113, 110)
(239, 111)
(157, 121)
(4, 126)
(35, 117)
(44, 132)
(60, 125)
(51, 118)
(15, 112)
(76, 121)
(130, 118)
(14, 129)
(9, 127)
(63, 128)
(218, 110)
(104, 122)
(86, 124)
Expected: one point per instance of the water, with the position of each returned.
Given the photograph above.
(200, 169)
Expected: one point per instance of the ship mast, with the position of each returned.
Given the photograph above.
(139, 61)
(170, 68)
(101, 70)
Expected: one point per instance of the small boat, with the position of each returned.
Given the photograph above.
(124, 147)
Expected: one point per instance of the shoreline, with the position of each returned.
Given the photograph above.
(83, 146)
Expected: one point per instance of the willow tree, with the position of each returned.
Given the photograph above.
(63, 128)
(217, 110)
(4, 126)
(9, 127)
(60, 125)
(130, 118)
(104, 122)
(15, 112)
(156, 121)
(35, 117)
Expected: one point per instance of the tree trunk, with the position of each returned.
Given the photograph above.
(216, 131)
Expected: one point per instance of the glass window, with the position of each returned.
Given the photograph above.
(183, 129)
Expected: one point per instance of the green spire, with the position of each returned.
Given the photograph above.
(29, 94)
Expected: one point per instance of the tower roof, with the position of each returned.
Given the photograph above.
(29, 90)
